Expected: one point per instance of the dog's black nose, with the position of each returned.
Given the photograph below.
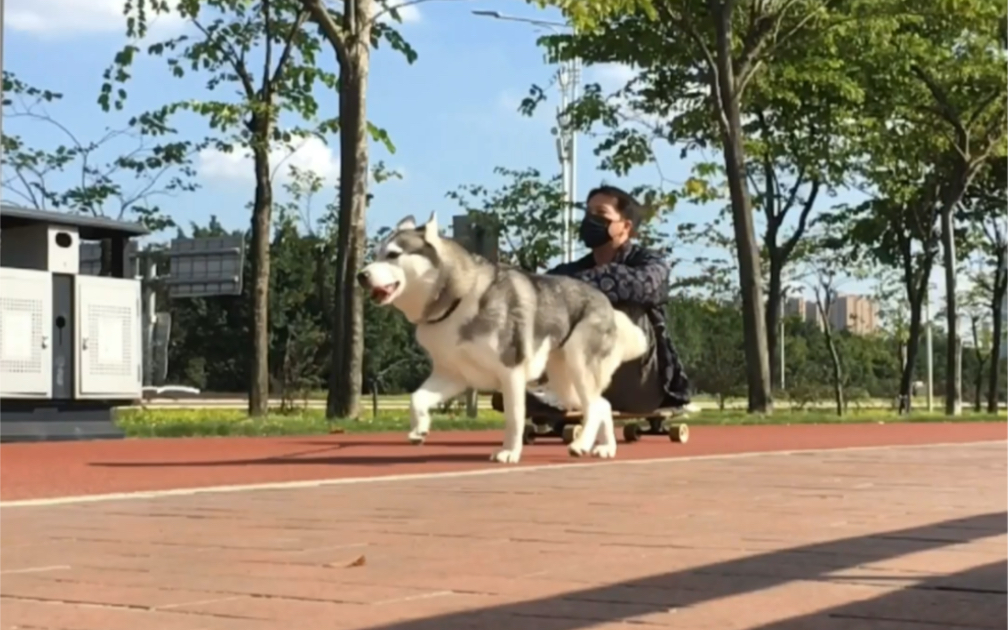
(362, 278)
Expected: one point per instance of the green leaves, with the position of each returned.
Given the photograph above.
(125, 187)
(526, 211)
(261, 48)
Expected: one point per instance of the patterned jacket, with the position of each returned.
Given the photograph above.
(638, 276)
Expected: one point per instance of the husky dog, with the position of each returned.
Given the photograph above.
(495, 327)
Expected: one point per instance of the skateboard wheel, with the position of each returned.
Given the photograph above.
(679, 433)
(571, 432)
(631, 432)
(529, 434)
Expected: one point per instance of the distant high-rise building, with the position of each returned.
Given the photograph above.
(795, 307)
(853, 313)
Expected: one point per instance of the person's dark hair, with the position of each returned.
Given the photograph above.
(626, 205)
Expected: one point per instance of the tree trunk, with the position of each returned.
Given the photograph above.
(773, 317)
(997, 326)
(754, 325)
(912, 349)
(953, 378)
(344, 396)
(258, 399)
(838, 394)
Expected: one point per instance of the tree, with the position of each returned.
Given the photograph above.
(152, 165)
(209, 346)
(708, 336)
(699, 63)
(890, 296)
(526, 213)
(986, 203)
(351, 34)
(824, 284)
(937, 92)
(976, 309)
(230, 33)
(298, 296)
(897, 229)
(801, 114)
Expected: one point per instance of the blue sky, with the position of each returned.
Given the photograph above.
(452, 114)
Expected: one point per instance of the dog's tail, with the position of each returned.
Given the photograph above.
(630, 339)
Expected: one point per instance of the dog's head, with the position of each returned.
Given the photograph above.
(406, 262)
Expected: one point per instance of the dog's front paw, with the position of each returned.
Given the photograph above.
(506, 457)
(417, 437)
(577, 448)
(604, 451)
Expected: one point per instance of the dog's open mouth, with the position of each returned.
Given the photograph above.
(382, 294)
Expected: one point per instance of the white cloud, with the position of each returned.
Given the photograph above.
(307, 154)
(408, 13)
(75, 17)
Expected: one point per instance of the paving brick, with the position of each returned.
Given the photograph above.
(901, 539)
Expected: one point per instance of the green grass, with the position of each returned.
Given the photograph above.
(146, 423)
(166, 423)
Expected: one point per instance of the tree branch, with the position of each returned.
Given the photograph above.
(237, 61)
(302, 17)
(267, 84)
(332, 31)
(750, 61)
(686, 26)
(945, 109)
(990, 100)
(803, 216)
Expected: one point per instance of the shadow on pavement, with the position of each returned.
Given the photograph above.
(975, 598)
(375, 459)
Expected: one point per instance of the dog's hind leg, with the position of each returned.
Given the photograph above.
(559, 381)
(594, 408)
(597, 422)
(606, 446)
(434, 391)
(513, 391)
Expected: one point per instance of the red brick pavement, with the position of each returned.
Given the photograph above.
(910, 538)
(29, 471)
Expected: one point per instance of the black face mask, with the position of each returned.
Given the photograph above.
(594, 231)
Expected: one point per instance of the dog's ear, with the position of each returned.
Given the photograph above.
(431, 228)
(408, 223)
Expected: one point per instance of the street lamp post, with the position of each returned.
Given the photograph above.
(568, 79)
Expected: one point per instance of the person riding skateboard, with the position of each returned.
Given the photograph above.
(635, 279)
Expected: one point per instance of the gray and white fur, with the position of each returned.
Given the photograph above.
(495, 327)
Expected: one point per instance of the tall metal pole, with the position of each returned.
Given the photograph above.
(563, 154)
(572, 158)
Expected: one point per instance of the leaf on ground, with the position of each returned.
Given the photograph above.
(359, 562)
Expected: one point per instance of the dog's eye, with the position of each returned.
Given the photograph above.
(391, 255)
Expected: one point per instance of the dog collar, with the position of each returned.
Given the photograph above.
(446, 314)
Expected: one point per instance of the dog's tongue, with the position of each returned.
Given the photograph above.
(380, 293)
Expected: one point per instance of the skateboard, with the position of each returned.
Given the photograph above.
(567, 425)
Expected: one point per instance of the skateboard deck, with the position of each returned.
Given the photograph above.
(567, 425)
